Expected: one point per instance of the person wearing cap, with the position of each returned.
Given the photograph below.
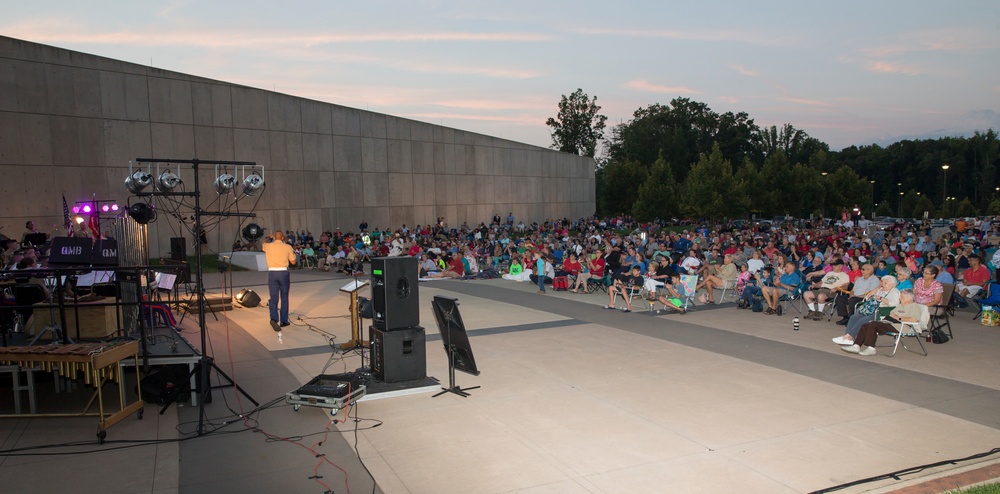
(831, 282)
(279, 256)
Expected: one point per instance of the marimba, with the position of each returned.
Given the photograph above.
(98, 363)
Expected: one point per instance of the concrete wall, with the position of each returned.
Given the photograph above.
(70, 123)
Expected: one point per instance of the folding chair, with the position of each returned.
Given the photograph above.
(593, 284)
(903, 330)
(631, 291)
(730, 288)
(689, 285)
(793, 298)
(940, 313)
(991, 296)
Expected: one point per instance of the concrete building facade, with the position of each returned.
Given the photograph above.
(71, 122)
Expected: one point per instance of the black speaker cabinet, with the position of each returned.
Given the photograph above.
(248, 298)
(399, 355)
(395, 287)
(178, 249)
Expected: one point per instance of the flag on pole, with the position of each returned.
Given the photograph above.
(95, 223)
(66, 221)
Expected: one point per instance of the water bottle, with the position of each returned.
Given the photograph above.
(795, 324)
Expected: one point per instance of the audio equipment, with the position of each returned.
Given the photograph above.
(395, 297)
(178, 249)
(399, 355)
(248, 298)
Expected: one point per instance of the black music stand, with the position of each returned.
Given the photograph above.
(456, 343)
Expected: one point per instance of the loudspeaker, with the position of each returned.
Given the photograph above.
(395, 287)
(178, 249)
(248, 298)
(399, 355)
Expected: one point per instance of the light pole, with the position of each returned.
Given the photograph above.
(873, 199)
(944, 185)
(899, 211)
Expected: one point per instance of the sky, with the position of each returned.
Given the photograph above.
(845, 72)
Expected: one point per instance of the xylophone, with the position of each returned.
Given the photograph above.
(97, 362)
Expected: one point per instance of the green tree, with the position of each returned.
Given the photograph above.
(924, 205)
(657, 195)
(710, 189)
(578, 127)
(807, 192)
(966, 209)
(617, 182)
(748, 186)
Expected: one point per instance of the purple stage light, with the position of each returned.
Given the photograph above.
(87, 208)
(105, 208)
(114, 207)
(76, 209)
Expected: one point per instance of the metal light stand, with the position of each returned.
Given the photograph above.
(205, 387)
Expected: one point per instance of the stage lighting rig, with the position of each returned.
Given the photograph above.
(168, 181)
(224, 183)
(142, 213)
(252, 184)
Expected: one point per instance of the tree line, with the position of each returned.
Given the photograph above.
(685, 160)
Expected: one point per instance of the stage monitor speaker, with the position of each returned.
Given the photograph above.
(395, 297)
(178, 249)
(248, 298)
(399, 355)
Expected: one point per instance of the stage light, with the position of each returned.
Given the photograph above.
(225, 183)
(142, 213)
(252, 232)
(167, 181)
(76, 209)
(114, 207)
(79, 220)
(105, 208)
(87, 209)
(138, 181)
(252, 184)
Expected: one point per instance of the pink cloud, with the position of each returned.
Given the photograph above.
(745, 71)
(892, 68)
(740, 36)
(804, 101)
(646, 86)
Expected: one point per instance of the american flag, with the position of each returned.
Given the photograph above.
(67, 223)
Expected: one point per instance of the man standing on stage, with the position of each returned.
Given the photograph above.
(279, 255)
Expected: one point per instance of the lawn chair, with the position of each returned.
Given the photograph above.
(793, 298)
(902, 330)
(991, 296)
(689, 285)
(940, 313)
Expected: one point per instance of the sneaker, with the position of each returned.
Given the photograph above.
(852, 349)
(867, 351)
(809, 315)
(818, 316)
(541, 292)
(840, 340)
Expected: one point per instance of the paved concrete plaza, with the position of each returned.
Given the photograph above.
(573, 398)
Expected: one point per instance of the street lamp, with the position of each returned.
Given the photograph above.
(873, 199)
(899, 186)
(944, 186)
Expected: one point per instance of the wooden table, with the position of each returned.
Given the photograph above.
(99, 363)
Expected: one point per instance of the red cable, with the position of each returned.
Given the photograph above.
(239, 401)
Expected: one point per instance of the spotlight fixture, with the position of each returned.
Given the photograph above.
(105, 208)
(252, 184)
(76, 209)
(167, 181)
(224, 183)
(87, 209)
(114, 207)
(138, 181)
(253, 232)
(79, 220)
(142, 213)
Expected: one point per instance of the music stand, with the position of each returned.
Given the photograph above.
(456, 343)
(357, 341)
(36, 239)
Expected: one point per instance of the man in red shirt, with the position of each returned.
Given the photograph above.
(455, 268)
(974, 279)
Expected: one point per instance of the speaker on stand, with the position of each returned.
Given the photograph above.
(178, 249)
(398, 355)
(395, 293)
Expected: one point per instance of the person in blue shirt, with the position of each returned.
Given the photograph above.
(540, 271)
(944, 276)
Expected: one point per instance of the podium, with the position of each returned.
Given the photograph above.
(357, 340)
